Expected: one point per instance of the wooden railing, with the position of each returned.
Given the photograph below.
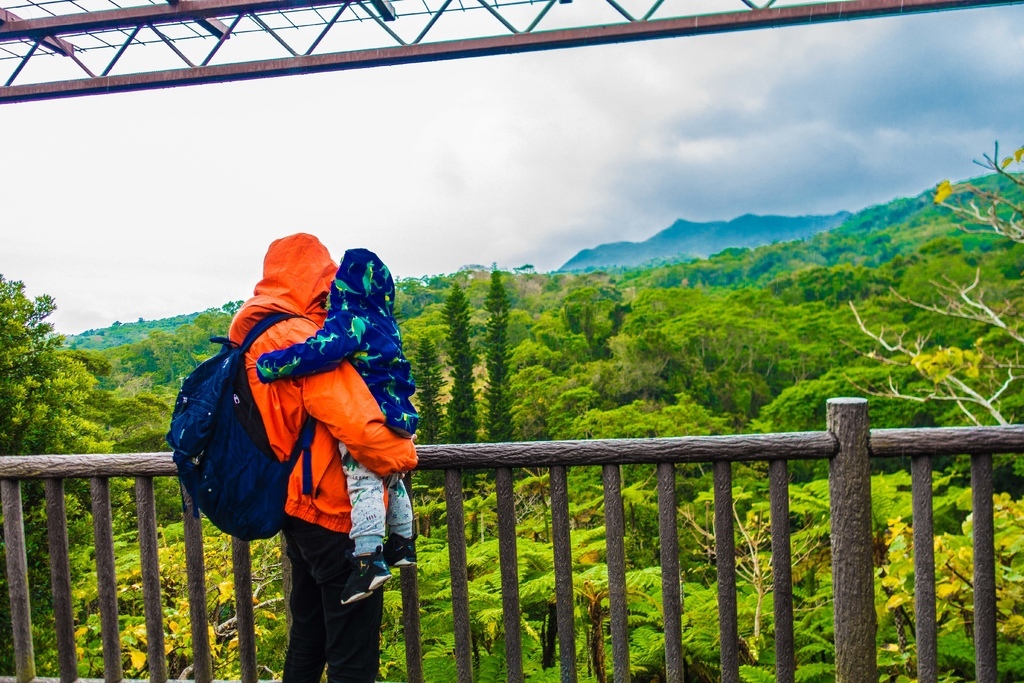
(848, 444)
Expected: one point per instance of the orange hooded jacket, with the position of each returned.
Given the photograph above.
(297, 275)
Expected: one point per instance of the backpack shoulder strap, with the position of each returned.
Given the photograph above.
(302, 449)
(305, 439)
(262, 326)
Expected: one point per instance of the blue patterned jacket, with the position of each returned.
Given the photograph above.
(361, 328)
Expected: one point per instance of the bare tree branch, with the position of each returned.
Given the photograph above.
(897, 346)
(873, 355)
(228, 627)
(969, 414)
(892, 392)
(960, 304)
(951, 383)
(1001, 216)
(963, 301)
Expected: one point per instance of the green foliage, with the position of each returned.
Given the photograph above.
(162, 360)
(120, 333)
(953, 584)
(973, 360)
(137, 423)
(429, 384)
(268, 605)
(592, 311)
(643, 420)
(499, 425)
(461, 410)
(43, 392)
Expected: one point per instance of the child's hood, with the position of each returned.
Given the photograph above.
(362, 276)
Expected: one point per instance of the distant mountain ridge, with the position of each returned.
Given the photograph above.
(687, 239)
(873, 236)
(125, 333)
(128, 333)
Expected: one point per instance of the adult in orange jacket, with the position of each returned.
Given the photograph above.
(297, 274)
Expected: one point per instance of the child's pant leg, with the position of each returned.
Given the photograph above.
(366, 492)
(399, 507)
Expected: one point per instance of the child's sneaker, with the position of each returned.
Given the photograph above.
(370, 573)
(400, 551)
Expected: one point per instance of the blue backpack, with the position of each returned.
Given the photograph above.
(224, 458)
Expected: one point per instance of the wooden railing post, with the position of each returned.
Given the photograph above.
(17, 580)
(411, 612)
(411, 625)
(849, 478)
(925, 634)
(106, 579)
(725, 564)
(508, 561)
(782, 572)
(561, 542)
(286, 581)
(60, 580)
(245, 618)
(615, 545)
(195, 568)
(460, 574)
(983, 538)
(671, 590)
(149, 561)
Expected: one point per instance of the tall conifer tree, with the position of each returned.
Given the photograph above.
(498, 393)
(428, 387)
(461, 418)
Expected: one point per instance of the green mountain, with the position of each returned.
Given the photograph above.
(128, 333)
(870, 238)
(687, 239)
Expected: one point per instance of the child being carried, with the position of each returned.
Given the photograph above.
(361, 328)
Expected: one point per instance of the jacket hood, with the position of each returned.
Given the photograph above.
(297, 275)
(363, 277)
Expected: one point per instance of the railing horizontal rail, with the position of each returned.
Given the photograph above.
(85, 466)
(792, 445)
(884, 443)
(896, 443)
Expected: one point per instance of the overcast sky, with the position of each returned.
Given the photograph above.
(160, 203)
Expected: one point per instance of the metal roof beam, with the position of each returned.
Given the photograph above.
(385, 9)
(477, 47)
(57, 45)
(214, 26)
(130, 17)
(195, 10)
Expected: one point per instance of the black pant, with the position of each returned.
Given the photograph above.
(344, 637)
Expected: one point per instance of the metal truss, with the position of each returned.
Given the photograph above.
(66, 48)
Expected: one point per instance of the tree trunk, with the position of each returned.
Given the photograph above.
(597, 642)
(549, 633)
